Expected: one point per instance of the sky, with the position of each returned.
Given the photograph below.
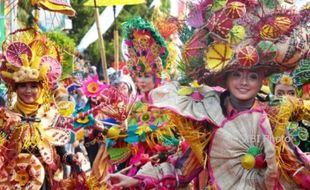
(300, 3)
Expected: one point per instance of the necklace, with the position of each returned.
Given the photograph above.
(241, 105)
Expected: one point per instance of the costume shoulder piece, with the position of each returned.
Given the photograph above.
(197, 102)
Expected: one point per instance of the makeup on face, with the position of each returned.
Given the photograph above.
(283, 90)
(244, 84)
(145, 82)
(28, 92)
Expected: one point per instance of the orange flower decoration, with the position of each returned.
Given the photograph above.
(247, 56)
(235, 10)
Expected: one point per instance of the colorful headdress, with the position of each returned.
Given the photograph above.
(29, 56)
(147, 51)
(297, 78)
(243, 34)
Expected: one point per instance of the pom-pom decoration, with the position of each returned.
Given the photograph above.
(267, 51)
(235, 9)
(236, 34)
(247, 56)
(218, 56)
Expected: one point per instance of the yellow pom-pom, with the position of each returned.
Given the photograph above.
(185, 91)
(195, 84)
(248, 161)
(113, 133)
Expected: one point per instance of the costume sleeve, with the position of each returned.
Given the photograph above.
(168, 174)
(293, 164)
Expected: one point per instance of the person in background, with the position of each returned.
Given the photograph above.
(291, 84)
(31, 136)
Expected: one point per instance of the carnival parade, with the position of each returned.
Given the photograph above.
(155, 95)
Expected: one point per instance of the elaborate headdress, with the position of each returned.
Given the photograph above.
(29, 56)
(147, 51)
(297, 78)
(243, 34)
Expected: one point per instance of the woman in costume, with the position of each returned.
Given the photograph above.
(291, 84)
(31, 145)
(147, 55)
(237, 139)
(146, 131)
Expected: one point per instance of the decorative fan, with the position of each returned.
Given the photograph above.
(242, 147)
(115, 104)
(15, 50)
(65, 108)
(195, 46)
(218, 55)
(46, 151)
(39, 47)
(28, 173)
(54, 68)
(57, 136)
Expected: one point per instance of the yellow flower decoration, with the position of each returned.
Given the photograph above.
(286, 80)
(22, 177)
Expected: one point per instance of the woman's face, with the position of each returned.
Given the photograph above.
(123, 88)
(28, 92)
(244, 84)
(145, 82)
(282, 90)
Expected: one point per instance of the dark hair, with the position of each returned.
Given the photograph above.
(2, 102)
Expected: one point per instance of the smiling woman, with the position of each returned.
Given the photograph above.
(28, 92)
(243, 86)
(29, 143)
(236, 140)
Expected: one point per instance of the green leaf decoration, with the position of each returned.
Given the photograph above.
(218, 4)
(269, 4)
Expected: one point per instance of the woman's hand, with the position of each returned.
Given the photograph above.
(120, 181)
